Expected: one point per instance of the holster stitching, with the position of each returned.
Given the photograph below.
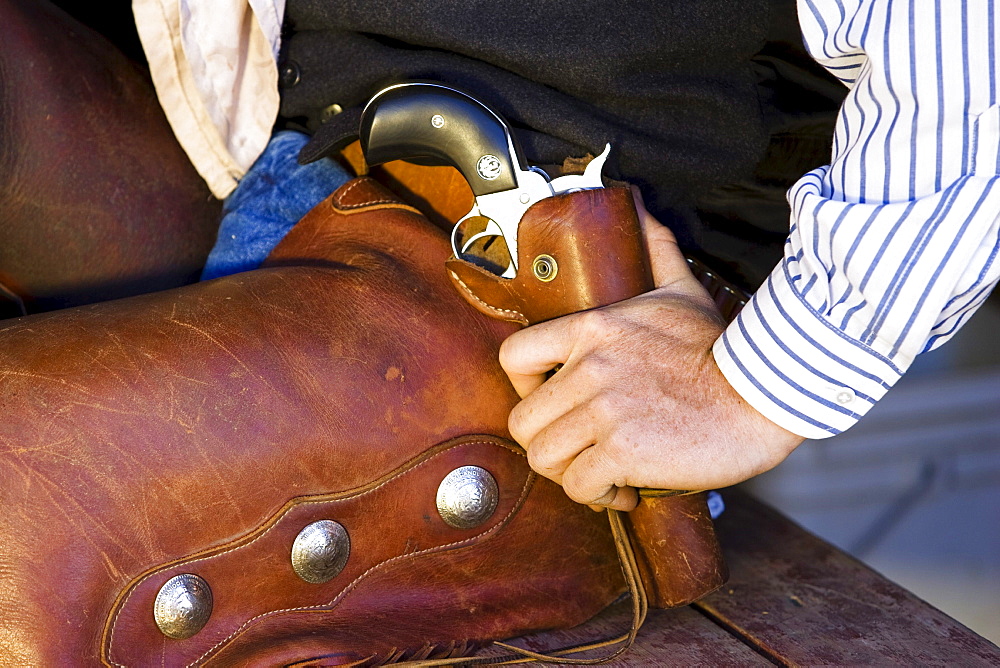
(495, 309)
(338, 204)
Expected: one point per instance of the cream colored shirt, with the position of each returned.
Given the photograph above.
(214, 66)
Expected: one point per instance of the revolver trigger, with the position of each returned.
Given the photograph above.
(457, 229)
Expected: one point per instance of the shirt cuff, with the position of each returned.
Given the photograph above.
(798, 369)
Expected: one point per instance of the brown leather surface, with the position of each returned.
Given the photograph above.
(596, 240)
(145, 433)
(440, 193)
(677, 550)
(283, 608)
(97, 199)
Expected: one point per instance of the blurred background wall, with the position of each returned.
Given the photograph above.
(914, 489)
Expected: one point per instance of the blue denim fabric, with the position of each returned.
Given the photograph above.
(716, 506)
(273, 195)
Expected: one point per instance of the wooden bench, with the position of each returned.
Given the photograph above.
(792, 599)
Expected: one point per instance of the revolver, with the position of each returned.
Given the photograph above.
(440, 123)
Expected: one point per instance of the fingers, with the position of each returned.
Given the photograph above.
(595, 478)
(555, 443)
(570, 452)
(554, 401)
(528, 355)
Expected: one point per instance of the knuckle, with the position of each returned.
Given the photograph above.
(509, 353)
(604, 410)
(517, 425)
(576, 491)
(592, 369)
(585, 480)
(617, 438)
(541, 462)
(598, 323)
(591, 492)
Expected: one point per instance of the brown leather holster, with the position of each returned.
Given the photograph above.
(595, 253)
(592, 254)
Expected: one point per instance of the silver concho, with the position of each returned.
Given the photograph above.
(489, 167)
(467, 497)
(320, 551)
(183, 606)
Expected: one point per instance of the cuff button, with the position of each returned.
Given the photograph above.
(846, 396)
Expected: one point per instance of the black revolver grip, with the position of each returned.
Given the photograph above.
(425, 120)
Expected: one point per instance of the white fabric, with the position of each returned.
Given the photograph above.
(214, 66)
(893, 245)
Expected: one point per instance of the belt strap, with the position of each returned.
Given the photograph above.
(729, 297)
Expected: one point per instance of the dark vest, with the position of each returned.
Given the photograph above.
(711, 106)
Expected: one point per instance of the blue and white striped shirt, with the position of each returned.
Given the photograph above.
(891, 246)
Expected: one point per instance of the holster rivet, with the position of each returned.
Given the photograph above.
(320, 551)
(182, 606)
(467, 497)
(545, 268)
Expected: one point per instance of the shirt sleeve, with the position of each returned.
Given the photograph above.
(892, 246)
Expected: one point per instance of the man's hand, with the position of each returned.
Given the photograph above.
(639, 400)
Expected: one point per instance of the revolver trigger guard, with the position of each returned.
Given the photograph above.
(457, 226)
(492, 229)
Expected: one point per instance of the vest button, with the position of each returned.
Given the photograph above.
(289, 74)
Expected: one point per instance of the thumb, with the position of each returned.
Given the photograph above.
(665, 256)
